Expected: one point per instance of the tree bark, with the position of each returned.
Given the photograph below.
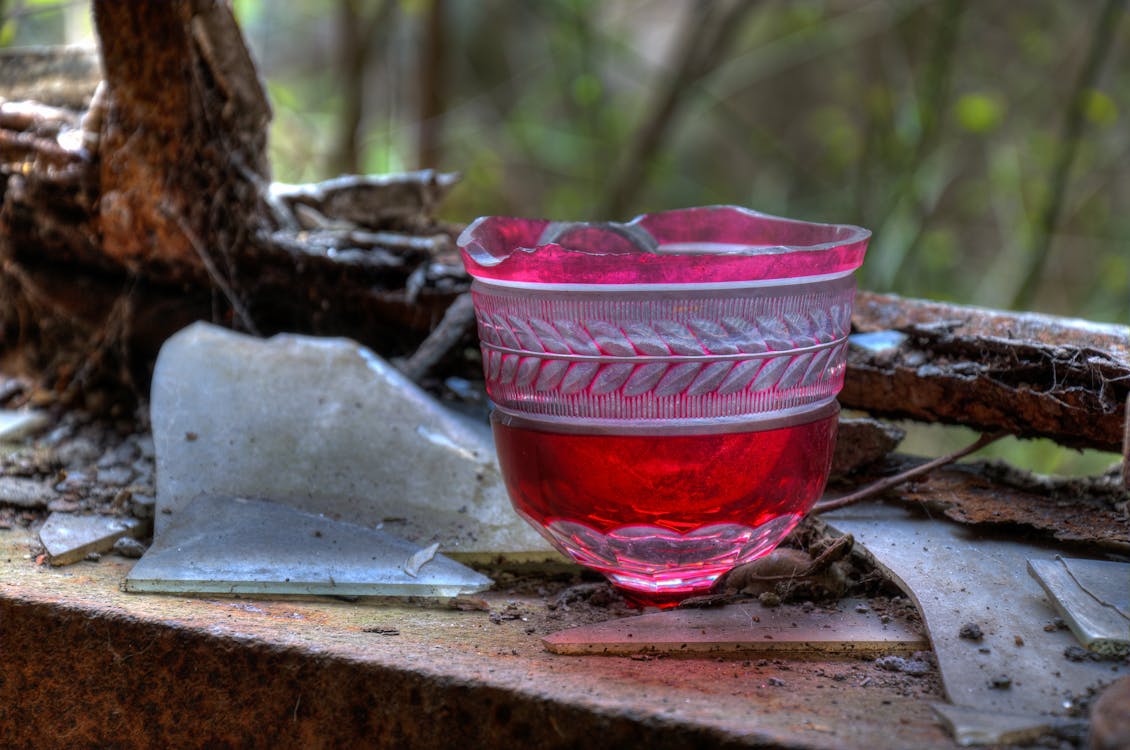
(183, 141)
(1030, 375)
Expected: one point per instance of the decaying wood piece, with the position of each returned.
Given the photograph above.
(975, 494)
(368, 200)
(1126, 447)
(457, 321)
(155, 208)
(1030, 375)
(861, 442)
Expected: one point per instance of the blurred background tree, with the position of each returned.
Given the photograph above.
(985, 143)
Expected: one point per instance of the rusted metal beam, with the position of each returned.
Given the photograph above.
(87, 665)
(1030, 375)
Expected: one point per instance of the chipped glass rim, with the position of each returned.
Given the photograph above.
(717, 246)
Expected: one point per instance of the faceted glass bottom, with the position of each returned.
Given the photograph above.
(664, 516)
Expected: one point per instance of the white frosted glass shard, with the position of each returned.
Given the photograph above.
(327, 427)
(228, 545)
(70, 537)
(1093, 597)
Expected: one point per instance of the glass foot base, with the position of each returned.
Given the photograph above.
(655, 565)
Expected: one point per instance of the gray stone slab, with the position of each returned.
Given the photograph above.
(326, 426)
(958, 577)
(225, 545)
(746, 626)
(1093, 597)
(69, 537)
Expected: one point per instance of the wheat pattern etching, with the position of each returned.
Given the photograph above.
(667, 358)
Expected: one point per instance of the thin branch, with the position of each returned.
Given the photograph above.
(893, 481)
(1126, 447)
(217, 278)
(459, 317)
(1067, 148)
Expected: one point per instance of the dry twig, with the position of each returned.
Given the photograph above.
(893, 481)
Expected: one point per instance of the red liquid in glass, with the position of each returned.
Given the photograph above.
(707, 499)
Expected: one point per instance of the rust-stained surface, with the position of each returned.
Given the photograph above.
(963, 493)
(85, 664)
(1031, 375)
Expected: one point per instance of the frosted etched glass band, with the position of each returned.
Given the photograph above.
(681, 356)
(672, 359)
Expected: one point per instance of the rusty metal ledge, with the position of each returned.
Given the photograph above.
(84, 665)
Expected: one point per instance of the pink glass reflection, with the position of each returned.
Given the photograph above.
(695, 245)
(664, 389)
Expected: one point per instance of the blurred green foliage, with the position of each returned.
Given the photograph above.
(938, 125)
(30, 22)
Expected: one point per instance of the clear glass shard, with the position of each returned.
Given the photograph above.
(229, 545)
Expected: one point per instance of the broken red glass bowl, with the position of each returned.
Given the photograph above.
(664, 389)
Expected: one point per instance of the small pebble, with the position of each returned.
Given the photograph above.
(913, 667)
(74, 480)
(970, 631)
(774, 682)
(115, 475)
(1001, 682)
(142, 506)
(78, 452)
(770, 599)
(64, 506)
(1076, 653)
(123, 454)
(129, 547)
